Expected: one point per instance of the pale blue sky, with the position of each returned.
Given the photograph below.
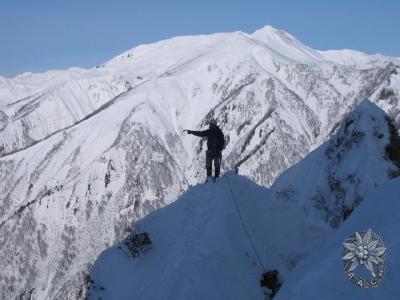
(36, 35)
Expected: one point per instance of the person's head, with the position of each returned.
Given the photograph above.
(212, 122)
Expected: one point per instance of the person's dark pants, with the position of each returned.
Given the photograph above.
(210, 157)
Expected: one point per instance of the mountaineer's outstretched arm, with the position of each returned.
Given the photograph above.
(199, 133)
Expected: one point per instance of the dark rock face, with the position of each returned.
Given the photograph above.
(271, 282)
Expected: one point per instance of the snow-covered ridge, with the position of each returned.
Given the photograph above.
(201, 249)
(279, 44)
(356, 59)
(332, 180)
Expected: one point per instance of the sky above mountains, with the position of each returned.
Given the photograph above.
(57, 34)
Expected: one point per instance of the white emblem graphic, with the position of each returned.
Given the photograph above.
(364, 249)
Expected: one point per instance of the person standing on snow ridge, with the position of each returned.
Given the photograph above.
(215, 144)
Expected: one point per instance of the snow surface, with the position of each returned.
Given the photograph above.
(336, 176)
(321, 275)
(200, 249)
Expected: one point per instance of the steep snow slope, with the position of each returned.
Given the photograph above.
(201, 250)
(321, 275)
(42, 114)
(333, 179)
(71, 195)
(86, 153)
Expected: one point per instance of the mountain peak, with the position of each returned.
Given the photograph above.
(331, 181)
(286, 44)
(272, 34)
(270, 30)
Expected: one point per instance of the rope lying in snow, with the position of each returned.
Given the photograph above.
(244, 226)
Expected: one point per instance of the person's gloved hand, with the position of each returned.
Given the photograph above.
(188, 131)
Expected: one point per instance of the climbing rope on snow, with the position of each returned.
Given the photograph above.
(244, 225)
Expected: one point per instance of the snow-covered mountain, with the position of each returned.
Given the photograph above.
(84, 153)
(201, 249)
(331, 181)
(321, 275)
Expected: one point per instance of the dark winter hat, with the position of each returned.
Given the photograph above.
(212, 121)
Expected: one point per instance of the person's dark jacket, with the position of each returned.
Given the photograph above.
(215, 139)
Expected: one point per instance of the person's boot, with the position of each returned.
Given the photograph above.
(209, 172)
(209, 179)
(215, 178)
(216, 174)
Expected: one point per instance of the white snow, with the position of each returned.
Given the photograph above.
(321, 276)
(339, 172)
(200, 248)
